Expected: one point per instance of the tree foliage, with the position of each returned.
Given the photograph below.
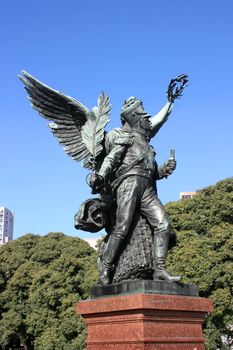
(41, 280)
(204, 254)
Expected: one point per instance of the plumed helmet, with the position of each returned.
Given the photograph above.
(128, 107)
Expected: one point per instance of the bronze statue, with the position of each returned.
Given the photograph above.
(124, 174)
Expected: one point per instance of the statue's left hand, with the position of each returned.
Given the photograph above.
(167, 169)
(171, 164)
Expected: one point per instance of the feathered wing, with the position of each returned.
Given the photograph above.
(69, 116)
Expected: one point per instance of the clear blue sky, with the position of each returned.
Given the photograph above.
(123, 48)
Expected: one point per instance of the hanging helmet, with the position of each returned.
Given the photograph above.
(92, 215)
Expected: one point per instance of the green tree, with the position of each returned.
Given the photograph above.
(41, 280)
(204, 254)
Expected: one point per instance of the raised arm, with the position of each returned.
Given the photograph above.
(160, 118)
(174, 91)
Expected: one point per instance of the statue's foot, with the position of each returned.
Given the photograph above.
(105, 276)
(162, 274)
(105, 273)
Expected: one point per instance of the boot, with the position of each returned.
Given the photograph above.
(105, 273)
(161, 240)
(106, 266)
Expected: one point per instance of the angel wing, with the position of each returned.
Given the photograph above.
(78, 129)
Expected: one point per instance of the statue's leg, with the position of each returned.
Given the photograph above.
(128, 194)
(161, 240)
(152, 208)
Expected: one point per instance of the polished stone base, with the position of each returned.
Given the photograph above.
(144, 286)
(145, 322)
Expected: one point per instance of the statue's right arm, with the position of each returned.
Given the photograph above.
(111, 161)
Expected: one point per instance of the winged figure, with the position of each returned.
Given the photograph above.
(78, 129)
(124, 173)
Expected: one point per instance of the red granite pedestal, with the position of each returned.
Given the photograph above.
(145, 322)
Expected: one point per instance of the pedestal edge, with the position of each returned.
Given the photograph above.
(129, 303)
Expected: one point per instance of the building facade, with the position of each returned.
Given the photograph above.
(187, 195)
(6, 225)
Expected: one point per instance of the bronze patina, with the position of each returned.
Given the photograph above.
(123, 175)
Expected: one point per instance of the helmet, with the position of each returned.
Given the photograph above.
(92, 216)
(129, 106)
(134, 114)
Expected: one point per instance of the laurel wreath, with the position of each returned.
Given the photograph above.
(176, 87)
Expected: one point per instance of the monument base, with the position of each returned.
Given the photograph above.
(144, 286)
(145, 322)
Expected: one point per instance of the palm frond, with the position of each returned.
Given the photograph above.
(93, 130)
